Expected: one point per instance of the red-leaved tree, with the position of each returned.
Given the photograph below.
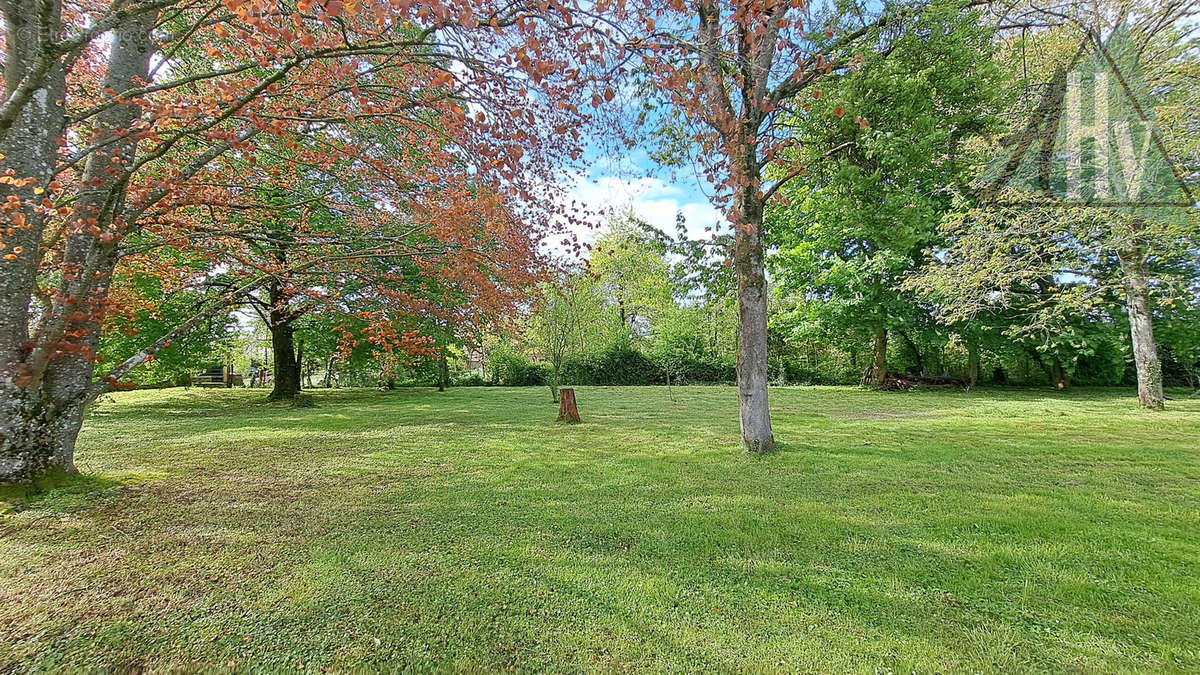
(734, 71)
(130, 125)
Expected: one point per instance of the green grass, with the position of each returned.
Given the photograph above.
(995, 530)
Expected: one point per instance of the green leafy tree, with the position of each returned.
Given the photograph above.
(631, 274)
(865, 213)
(565, 311)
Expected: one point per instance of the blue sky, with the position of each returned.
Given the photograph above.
(653, 193)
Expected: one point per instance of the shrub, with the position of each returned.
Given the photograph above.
(513, 370)
(470, 380)
(619, 364)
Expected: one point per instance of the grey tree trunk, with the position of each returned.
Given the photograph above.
(753, 407)
(43, 443)
(46, 378)
(29, 440)
(1141, 329)
(30, 151)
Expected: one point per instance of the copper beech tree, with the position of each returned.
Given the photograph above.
(736, 70)
(130, 125)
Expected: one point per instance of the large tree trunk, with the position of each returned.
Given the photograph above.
(972, 362)
(877, 372)
(30, 444)
(40, 439)
(30, 150)
(1141, 329)
(287, 369)
(753, 409)
(46, 381)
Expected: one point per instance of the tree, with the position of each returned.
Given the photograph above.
(629, 272)
(1049, 239)
(735, 71)
(556, 323)
(866, 214)
(118, 142)
(1124, 198)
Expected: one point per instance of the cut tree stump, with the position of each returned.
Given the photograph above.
(567, 412)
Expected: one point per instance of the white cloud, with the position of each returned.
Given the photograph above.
(650, 199)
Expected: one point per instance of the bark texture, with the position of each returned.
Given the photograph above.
(753, 406)
(1141, 329)
(287, 368)
(47, 366)
(567, 410)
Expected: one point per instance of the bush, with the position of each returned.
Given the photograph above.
(619, 364)
(513, 370)
(470, 380)
(685, 368)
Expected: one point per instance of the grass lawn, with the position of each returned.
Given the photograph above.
(1014, 530)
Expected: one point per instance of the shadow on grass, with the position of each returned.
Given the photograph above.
(701, 568)
(59, 493)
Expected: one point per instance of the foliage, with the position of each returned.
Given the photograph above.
(617, 364)
(152, 306)
(865, 214)
(630, 275)
(435, 131)
(513, 370)
(685, 349)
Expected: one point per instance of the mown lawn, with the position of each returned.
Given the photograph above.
(1014, 530)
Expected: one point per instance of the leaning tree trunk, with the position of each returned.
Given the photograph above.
(753, 409)
(1141, 329)
(287, 369)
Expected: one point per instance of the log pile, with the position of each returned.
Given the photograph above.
(912, 382)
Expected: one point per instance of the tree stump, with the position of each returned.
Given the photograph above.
(567, 412)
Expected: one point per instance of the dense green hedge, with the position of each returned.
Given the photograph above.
(614, 366)
(513, 370)
(624, 365)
